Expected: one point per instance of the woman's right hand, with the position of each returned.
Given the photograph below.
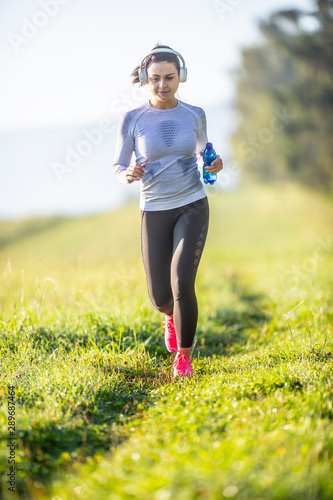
(135, 172)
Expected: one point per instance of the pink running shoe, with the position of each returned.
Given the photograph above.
(182, 366)
(169, 334)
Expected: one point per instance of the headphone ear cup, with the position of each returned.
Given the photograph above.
(183, 74)
(143, 76)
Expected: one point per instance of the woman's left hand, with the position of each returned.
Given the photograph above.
(216, 165)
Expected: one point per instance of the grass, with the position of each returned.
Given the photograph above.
(98, 415)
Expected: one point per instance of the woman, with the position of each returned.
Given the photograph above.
(166, 135)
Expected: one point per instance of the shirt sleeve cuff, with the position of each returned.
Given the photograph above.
(120, 174)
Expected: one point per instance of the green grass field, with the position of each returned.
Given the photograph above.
(97, 413)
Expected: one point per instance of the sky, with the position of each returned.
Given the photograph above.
(66, 63)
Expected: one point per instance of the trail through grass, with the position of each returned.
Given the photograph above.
(97, 413)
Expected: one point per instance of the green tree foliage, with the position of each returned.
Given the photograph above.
(285, 99)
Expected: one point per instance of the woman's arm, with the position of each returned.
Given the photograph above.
(124, 149)
(202, 139)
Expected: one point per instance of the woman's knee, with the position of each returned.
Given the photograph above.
(163, 303)
(182, 285)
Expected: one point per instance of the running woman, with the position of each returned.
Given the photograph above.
(167, 135)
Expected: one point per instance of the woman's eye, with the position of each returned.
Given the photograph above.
(157, 79)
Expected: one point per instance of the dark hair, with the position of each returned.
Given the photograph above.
(160, 57)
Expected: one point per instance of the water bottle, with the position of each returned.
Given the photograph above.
(208, 156)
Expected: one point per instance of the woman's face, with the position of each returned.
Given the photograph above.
(163, 81)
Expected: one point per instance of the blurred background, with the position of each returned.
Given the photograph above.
(261, 70)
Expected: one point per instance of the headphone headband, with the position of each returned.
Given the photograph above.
(143, 76)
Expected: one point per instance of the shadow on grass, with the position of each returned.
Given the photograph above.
(229, 329)
(104, 332)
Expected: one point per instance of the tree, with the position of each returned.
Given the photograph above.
(285, 99)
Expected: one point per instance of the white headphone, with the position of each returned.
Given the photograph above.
(143, 75)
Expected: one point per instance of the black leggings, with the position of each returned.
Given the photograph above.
(172, 242)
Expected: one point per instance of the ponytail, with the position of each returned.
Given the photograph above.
(135, 75)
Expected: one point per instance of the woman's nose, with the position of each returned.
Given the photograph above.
(162, 83)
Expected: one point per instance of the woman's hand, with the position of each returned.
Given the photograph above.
(216, 165)
(135, 172)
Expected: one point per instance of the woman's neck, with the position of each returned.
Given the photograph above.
(164, 105)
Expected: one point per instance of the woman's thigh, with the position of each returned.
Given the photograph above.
(157, 249)
(190, 233)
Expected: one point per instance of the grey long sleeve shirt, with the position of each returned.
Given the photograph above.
(168, 141)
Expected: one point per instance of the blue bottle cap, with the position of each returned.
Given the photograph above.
(209, 145)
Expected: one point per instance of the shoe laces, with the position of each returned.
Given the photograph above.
(180, 359)
(169, 325)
